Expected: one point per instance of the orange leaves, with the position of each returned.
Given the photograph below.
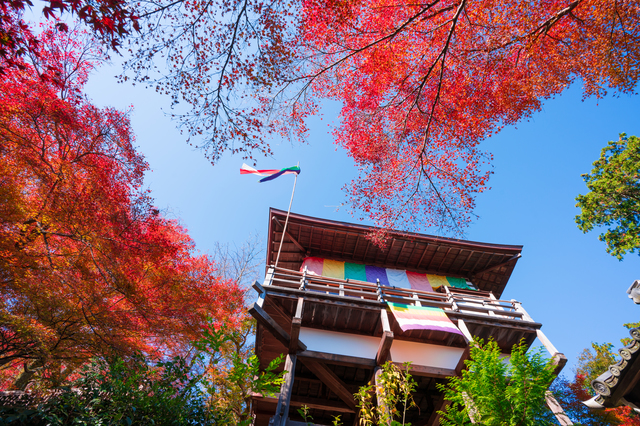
(88, 265)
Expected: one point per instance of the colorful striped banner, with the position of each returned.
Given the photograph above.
(270, 173)
(390, 277)
(411, 317)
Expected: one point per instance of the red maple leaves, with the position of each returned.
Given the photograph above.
(422, 84)
(87, 265)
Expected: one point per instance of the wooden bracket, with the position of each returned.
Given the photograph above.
(384, 348)
(559, 361)
(438, 405)
(331, 380)
(273, 327)
(287, 234)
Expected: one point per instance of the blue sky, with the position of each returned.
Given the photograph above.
(565, 279)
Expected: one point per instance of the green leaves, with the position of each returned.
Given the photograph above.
(233, 373)
(613, 200)
(125, 392)
(495, 391)
(394, 388)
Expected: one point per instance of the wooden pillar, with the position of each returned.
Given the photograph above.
(284, 399)
(382, 407)
(384, 348)
(471, 407)
(296, 322)
(557, 410)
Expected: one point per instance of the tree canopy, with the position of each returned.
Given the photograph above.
(613, 200)
(88, 266)
(110, 20)
(421, 85)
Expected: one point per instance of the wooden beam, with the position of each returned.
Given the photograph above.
(384, 348)
(331, 380)
(284, 399)
(426, 371)
(438, 405)
(286, 233)
(506, 262)
(315, 403)
(258, 287)
(384, 320)
(331, 299)
(546, 343)
(557, 410)
(321, 404)
(465, 330)
(272, 326)
(346, 360)
(261, 293)
(495, 321)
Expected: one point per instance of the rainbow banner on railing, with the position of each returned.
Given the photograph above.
(387, 276)
(422, 318)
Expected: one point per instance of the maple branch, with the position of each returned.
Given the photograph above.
(160, 8)
(352, 52)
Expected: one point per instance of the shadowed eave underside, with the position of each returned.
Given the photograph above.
(488, 266)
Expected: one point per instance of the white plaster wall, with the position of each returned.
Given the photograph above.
(366, 347)
(425, 354)
(333, 342)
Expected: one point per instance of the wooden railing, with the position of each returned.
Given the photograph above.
(476, 302)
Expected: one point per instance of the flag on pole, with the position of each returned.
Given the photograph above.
(270, 174)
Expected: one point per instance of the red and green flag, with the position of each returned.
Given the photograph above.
(270, 174)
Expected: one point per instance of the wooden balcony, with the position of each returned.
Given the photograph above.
(354, 307)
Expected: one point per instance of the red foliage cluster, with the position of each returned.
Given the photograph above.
(87, 265)
(109, 19)
(422, 84)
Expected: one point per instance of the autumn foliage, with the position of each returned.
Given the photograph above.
(110, 20)
(420, 84)
(87, 265)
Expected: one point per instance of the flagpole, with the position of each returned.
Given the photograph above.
(286, 222)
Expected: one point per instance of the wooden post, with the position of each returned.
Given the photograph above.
(454, 305)
(417, 299)
(379, 291)
(296, 322)
(518, 308)
(303, 280)
(463, 328)
(557, 410)
(471, 407)
(268, 278)
(284, 399)
(380, 394)
(384, 348)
